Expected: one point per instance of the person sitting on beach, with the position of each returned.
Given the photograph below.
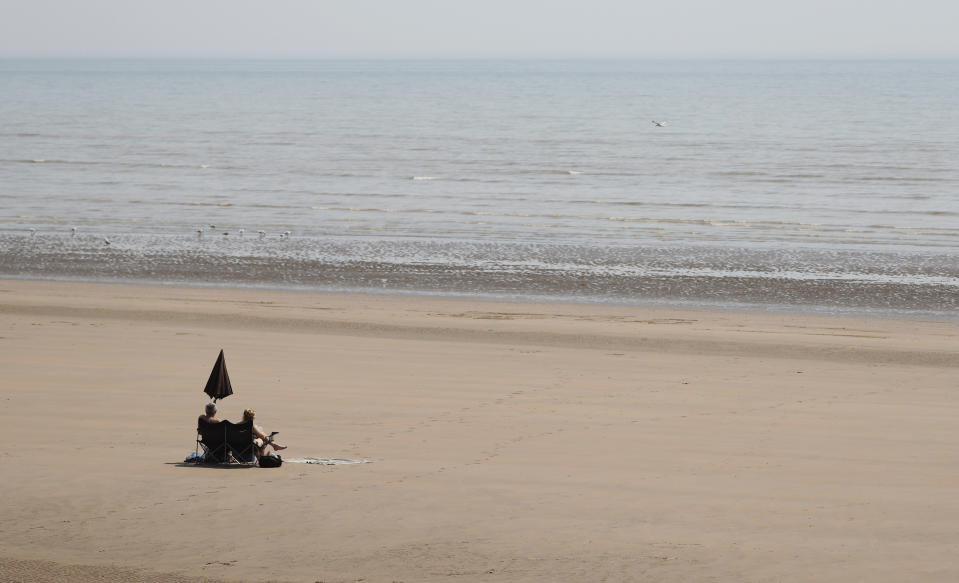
(261, 439)
(203, 423)
(209, 416)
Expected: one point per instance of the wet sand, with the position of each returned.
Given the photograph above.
(509, 442)
(862, 284)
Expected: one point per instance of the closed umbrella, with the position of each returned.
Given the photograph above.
(218, 387)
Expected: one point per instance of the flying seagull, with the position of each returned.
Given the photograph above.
(659, 124)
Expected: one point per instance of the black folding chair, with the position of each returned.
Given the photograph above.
(239, 440)
(211, 438)
(224, 442)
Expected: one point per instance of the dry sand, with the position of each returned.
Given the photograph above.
(509, 442)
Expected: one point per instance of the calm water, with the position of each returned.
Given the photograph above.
(818, 186)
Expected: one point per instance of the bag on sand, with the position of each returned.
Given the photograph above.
(271, 461)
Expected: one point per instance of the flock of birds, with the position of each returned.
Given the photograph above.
(241, 233)
(200, 232)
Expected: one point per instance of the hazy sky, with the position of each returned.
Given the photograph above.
(480, 28)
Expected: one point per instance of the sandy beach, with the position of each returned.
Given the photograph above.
(507, 442)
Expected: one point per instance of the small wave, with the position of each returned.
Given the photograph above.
(713, 222)
(200, 203)
(741, 173)
(575, 172)
(899, 179)
(422, 177)
(926, 229)
(42, 161)
(171, 165)
(262, 205)
(650, 220)
(114, 163)
(563, 172)
(60, 161)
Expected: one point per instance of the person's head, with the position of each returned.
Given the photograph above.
(249, 414)
(210, 410)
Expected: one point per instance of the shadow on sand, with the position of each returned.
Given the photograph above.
(210, 466)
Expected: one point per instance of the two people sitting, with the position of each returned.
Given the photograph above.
(260, 439)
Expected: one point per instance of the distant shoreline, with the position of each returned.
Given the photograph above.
(740, 280)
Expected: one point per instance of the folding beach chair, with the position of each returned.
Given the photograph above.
(224, 442)
(211, 438)
(239, 440)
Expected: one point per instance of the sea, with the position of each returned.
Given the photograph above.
(801, 186)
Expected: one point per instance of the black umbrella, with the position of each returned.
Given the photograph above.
(218, 387)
